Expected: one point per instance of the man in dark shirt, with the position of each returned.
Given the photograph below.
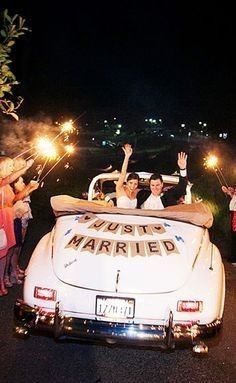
(156, 198)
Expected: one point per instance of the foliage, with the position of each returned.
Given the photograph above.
(12, 29)
(207, 189)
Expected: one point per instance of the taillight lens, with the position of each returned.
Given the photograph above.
(44, 293)
(189, 306)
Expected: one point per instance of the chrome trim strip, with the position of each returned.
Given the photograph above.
(165, 336)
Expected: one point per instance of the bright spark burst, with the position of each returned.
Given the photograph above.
(46, 148)
(211, 161)
(67, 127)
(69, 149)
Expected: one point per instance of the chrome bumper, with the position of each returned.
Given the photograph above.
(29, 319)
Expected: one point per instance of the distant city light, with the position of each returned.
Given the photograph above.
(182, 125)
(223, 135)
(117, 131)
(200, 123)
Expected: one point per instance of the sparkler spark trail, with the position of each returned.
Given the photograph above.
(211, 162)
(217, 175)
(223, 177)
(53, 166)
(69, 150)
(66, 127)
(25, 151)
(41, 170)
(31, 156)
(84, 112)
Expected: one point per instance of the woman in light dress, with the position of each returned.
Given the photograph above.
(126, 193)
(231, 192)
(7, 197)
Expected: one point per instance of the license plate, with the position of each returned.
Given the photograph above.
(119, 308)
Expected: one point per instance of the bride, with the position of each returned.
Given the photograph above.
(126, 193)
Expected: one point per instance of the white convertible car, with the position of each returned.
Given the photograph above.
(140, 277)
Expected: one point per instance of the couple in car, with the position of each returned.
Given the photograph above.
(129, 196)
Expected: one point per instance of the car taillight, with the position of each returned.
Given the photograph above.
(189, 306)
(44, 293)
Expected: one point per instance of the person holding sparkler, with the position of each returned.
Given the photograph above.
(231, 192)
(13, 273)
(22, 213)
(7, 175)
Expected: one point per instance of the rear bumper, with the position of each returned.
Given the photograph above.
(29, 319)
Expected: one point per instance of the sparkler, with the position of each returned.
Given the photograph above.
(46, 149)
(211, 162)
(69, 150)
(41, 170)
(66, 127)
(25, 151)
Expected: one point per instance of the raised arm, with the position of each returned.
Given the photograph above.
(16, 174)
(228, 190)
(127, 149)
(180, 189)
(32, 185)
(182, 161)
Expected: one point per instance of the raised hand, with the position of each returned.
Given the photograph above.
(29, 163)
(228, 190)
(33, 185)
(182, 160)
(127, 149)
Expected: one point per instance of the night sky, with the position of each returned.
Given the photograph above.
(171, 59)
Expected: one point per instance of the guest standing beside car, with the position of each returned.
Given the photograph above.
(13, 273)
(126, 193)
(7, 196)
(231, 192)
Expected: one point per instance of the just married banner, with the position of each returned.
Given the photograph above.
(109, 244)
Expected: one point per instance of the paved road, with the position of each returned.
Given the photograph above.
(41, 359)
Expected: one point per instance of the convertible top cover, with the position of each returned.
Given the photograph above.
(196, 213)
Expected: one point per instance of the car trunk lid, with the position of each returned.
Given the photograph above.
(127, 254)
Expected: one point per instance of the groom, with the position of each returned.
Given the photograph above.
(156, 198)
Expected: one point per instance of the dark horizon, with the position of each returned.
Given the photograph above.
(167, 60)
